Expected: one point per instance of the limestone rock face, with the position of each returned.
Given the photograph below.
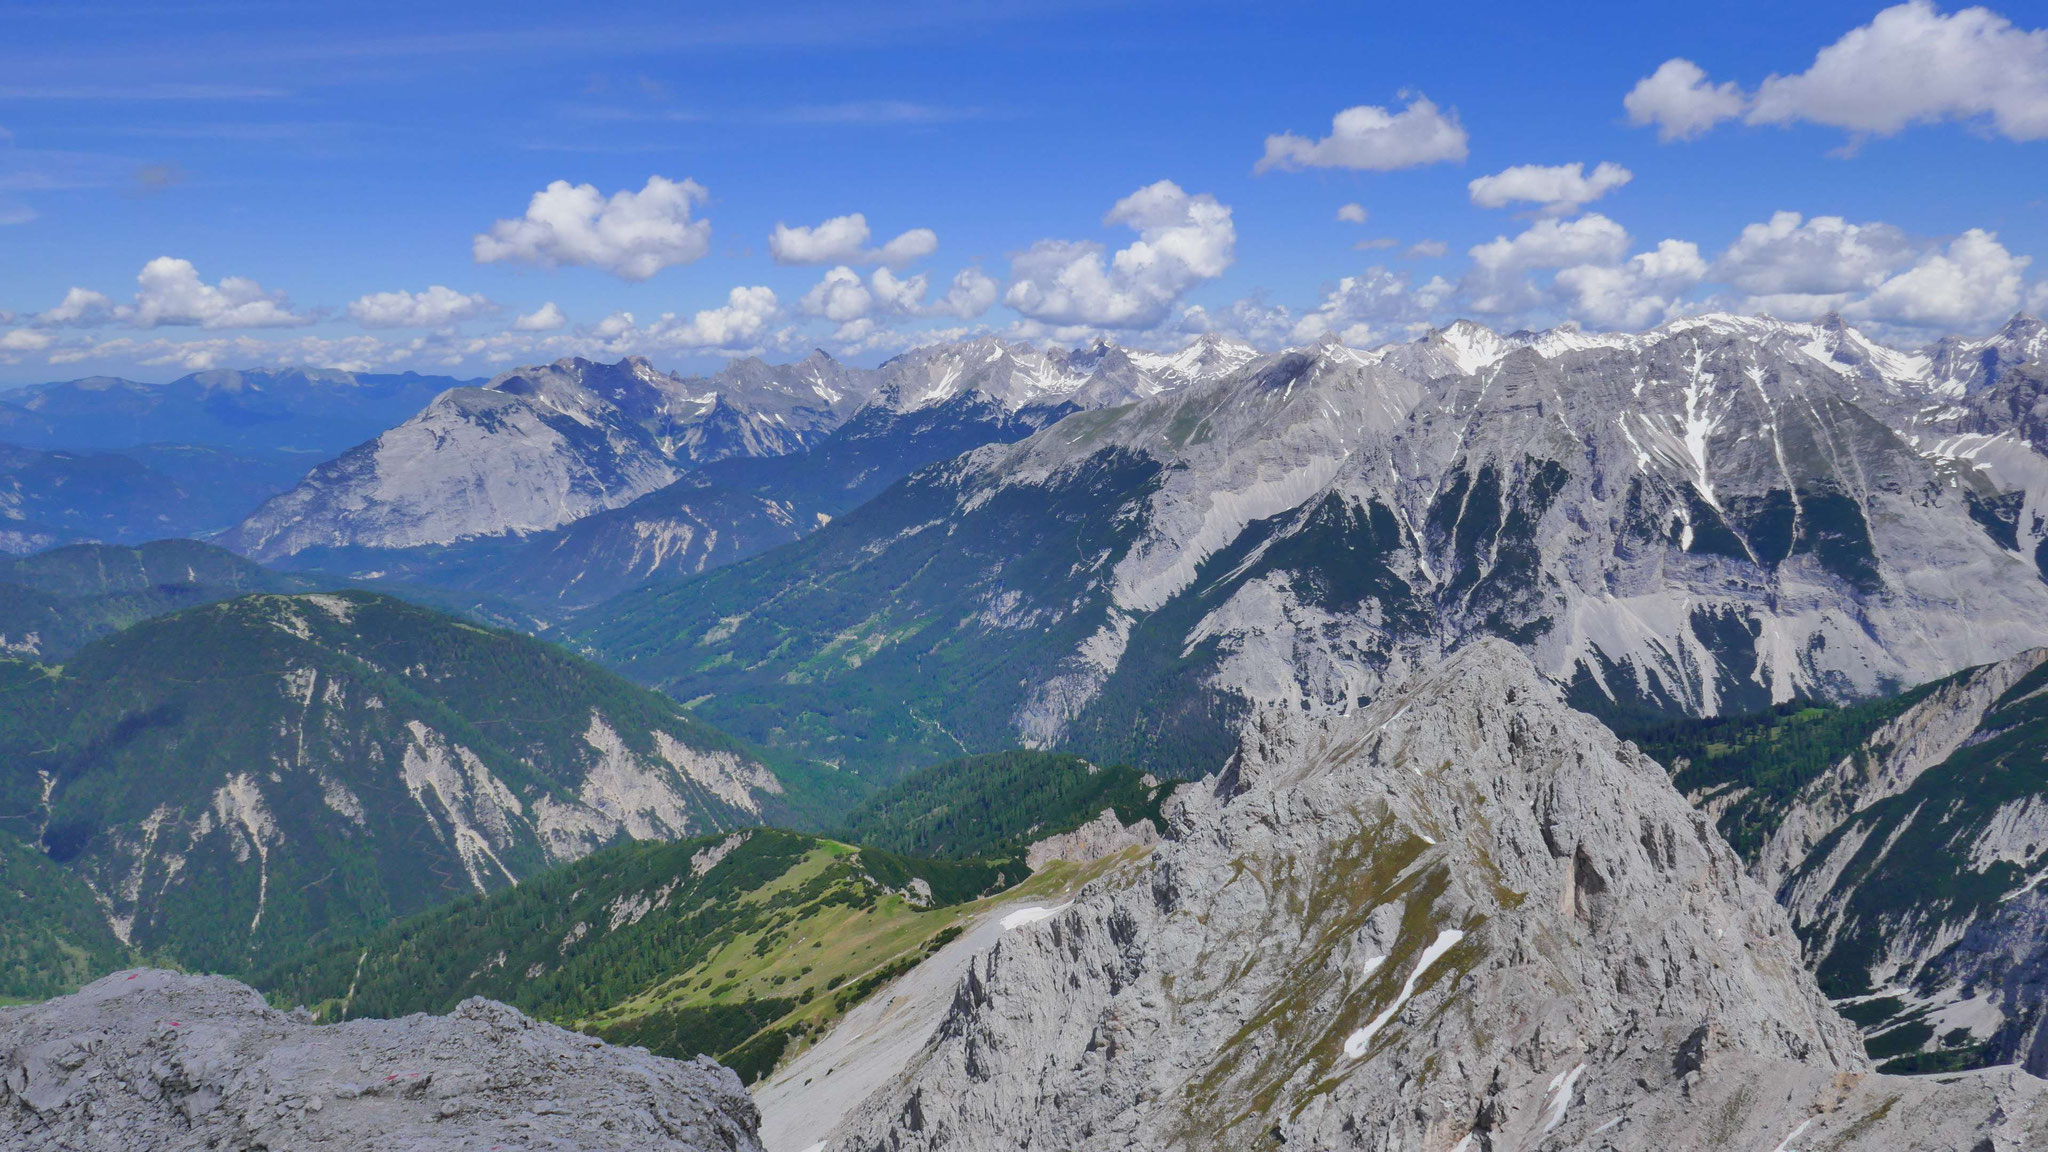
(160, 1060)
(1464, 918)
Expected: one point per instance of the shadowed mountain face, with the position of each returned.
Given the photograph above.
(1701, 519)
(1908, 838)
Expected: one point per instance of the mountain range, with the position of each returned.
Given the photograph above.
(307, 410)
(580, 480)
(1907, 837)
(1712, 516)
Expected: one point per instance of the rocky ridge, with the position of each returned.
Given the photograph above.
(1465, 917)
(161, 1060)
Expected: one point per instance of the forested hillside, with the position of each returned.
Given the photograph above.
(999, 803)
(236, 780)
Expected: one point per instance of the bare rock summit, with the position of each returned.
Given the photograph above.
(165, 1061)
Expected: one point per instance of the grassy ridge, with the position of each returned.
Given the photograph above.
(741, 946)
(728, 946)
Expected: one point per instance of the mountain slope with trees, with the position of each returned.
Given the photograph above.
(238, 779)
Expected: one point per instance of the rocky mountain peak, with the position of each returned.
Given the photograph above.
(1464, 917)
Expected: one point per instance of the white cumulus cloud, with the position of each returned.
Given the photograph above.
(1497, 281)
(840, 296)
(1370, 308)
(630, 234)
(546, 318)
(900, 294)
(170, 292)
(1798, 268)
(1645, 289)
(972, 293)
(80, 308)
(1370, 138)
(1352, 214)
(1182, 241)
(1591, 238)
(613, 326)
(1557, 189)
(1910, 65)
(742, 320)
(860, 307)
(1678, 99)
(844, 240)
(436, 306)
(1972, 284)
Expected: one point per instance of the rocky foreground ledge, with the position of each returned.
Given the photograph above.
(161, 1060)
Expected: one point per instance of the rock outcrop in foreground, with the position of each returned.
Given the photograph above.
(163, 1061)
(1465, 919)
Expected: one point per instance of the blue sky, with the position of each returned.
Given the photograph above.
(221, 182)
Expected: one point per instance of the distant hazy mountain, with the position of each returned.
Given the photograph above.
(55, 601)
(105, 459)
(150, 492)
(539, 447)
(236, 779)
(1702, 518)
(307, 410)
